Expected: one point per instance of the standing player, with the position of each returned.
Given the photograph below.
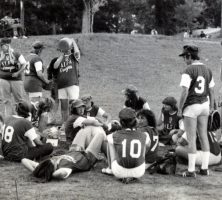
(68, 76)
(133, 100)
(147, 123)
(126, 149)
(12, 65)
(197, 84)
(34, 73)
(169, 119)
(20, 139)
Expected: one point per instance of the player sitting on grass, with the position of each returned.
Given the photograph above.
(169, 119)
(147, 123)
(182, 147)
(77, 121)
(20, 139)
(82, 156)
(126, 149)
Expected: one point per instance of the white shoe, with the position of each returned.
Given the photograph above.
(24, 37)
(107, 171)
(14, 37)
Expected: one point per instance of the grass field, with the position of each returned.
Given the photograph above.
(108, 64)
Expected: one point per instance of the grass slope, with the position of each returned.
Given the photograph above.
(109, 62)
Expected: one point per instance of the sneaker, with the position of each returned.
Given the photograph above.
(107, 171)
(24, 37)
(14, 37)
(189, 174)
(128, 180)
(204, 172)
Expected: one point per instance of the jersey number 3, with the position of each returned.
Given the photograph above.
(133, 144)
(201, 84)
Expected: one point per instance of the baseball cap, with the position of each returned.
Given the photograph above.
(189, 49)
(171, 101)
(130, 89)
(38, 45)
(77, 103)
(65, 44)
(86, 97)
(127, 113)
(5, 41)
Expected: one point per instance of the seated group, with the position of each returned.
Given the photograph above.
(130, 144)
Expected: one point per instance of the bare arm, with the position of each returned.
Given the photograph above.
(183, 98)
(29, 164)
(58, 61)
(159, 120)
(91, 122)
(62, 173)
(212, 98)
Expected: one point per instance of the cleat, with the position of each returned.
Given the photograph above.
(204, 172)
(107, 171)
(189, 174)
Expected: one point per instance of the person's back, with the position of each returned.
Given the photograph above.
(130, 147)
(14, 143)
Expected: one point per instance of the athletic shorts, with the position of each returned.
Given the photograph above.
(35, 94)
(121, 172)
(195, 110)
(71, 92)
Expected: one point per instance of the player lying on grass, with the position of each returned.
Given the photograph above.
(20, 139)
(81, 157)
(147, 123)
(169, 119)
(78, 122)
(127, 148)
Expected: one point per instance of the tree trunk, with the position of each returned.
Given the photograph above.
(221, 18)
(87, 17)
(53, 28)
(22, 14)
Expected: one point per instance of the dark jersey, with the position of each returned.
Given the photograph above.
(7, 68)
(70, 131)
(30, 68)
(201, 77)
(130, 147)
(137, 104)
(214, 145)
(14, 143)
(68, 72)
(170, 121)
(92, 112)
(151, 153)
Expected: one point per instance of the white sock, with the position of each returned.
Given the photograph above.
(191, 162)
(205, 160)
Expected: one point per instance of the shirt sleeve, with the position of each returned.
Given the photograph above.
(212, 83)
(146, 106)
(78, 122)
(31, 134)
(21, 60)
(110, 138)
(38, 66)
(100, 112)
(185, 81)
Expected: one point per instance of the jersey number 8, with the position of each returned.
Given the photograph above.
(8, 134)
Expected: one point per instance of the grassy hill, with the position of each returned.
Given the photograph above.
(109, 62)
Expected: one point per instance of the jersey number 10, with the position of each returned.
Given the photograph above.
(132, 152)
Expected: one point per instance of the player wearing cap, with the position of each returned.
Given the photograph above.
(133, 100)
(127, 148)
(197, 84)
(68, 76)
(169, 119)
(12, 64)
(77, 121)
(20, 139)
(93, 110)
(34, 73)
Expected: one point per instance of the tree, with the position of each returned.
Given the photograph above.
(90, 8)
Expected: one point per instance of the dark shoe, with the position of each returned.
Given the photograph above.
(128, 180)
(189, 174)
(204, 172)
